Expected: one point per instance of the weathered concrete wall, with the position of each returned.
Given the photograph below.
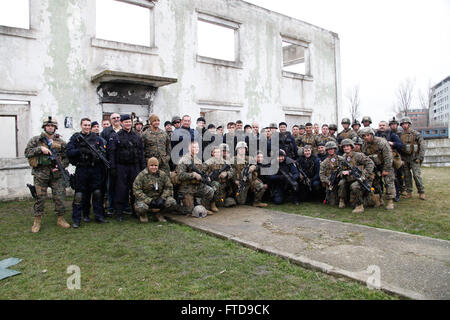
(437, 153)
(51, 65)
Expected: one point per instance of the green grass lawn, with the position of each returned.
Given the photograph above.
(428, 218)
(129, 260)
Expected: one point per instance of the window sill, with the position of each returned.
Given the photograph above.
(298, 76)
(18, 32)
(120, 46)
(14, 163)
(219, 62)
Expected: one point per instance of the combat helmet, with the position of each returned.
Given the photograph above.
(356, 122)
(393, 121)
(366, 118)
(404, 120)
(199, 211)
(241, 144)
(51, 121)
(366, 130)
(332, 127)
(357, 140)
(331, 145)
(345, 120)
(347, 142)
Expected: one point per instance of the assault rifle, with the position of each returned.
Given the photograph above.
(205, 178)
(243, 179)
(305, 178)
(94, 150)
(356, 173)
(54, 158)
(289, 179)
(333, 183)
(32, 190)
(214, 176)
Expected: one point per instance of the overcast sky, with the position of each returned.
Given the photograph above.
(382, 43)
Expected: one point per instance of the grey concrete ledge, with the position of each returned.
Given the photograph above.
(219, 62)
(18, 32)
(120, 46)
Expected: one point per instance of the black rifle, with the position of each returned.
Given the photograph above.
(54, 158)
(205, 178)
(243, 179)
(214, 176)
(334, 180)
(305, 178)
(289, 179)
(356, 173)
(95, 151)
(32, 190)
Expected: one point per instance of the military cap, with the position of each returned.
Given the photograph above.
(241, 144)
(125, 117)
(345, 120)
(367, 130)
(331, 145)
(176, 118)
(219, 127)
(404, 120)
(366, 118)
(357, 140)
(332, 127)
(347, 142)
(272, 125)
(50, 121)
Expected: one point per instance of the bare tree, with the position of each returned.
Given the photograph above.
(425, 99)
(353, 97)
(404, 96)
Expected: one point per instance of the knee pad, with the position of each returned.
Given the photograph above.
(77, 198)
(97, 195)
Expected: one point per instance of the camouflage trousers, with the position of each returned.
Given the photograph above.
(411, 165)
(256, 186)
(220, 192)
(44, 179)
(356, 191)
(142, 208)
(389, 184)
(190, 191)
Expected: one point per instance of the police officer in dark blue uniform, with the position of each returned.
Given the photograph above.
(127, 160)
(89, 173)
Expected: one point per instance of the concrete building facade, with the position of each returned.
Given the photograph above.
(60, 66)
(439, 112)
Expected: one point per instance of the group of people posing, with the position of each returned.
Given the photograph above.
(143, 170)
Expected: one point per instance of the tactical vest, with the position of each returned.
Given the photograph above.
(128, 152)
(332, 165)
(411, 145)
(308, 165)
(44, 159)
(88, 159)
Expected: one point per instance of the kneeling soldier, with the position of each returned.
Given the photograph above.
(153, 191)
(355, 159)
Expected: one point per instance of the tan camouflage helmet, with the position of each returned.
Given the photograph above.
(345, 120)
(366, 131)
(357, 140)
(224, 146)
(331, 145)
(393, 121)
(347, 142)
(199, 211)
(405, 120)
(366, 118)
(241, 144)
(332, 127)
(50, 121)
(356, 123)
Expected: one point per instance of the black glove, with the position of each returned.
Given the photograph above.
(160, 203)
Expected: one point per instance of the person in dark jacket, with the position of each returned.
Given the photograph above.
(182, 138)
(287, 142)
(310, 165)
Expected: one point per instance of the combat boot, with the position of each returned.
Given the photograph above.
(408, 195)
(381, 201)
(358, 209)
(422, 196)
(259, 204)
(62, 222)
(376, 200)
(213, 207)
(160, 218)
(341, 203)
(143, 218)
(37, 224)
(210, 213)
(390, 205)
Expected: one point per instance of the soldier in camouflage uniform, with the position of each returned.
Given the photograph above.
(324, 136)
(412, 154)
(215, 164)
(347, 132)
(327, 168)
(356, 125)
(153, 191)
(355, 159)
(191, 184)
(332, 129)
(157, 144)
(309, 138)
(379, 151)
(251, 181)
(45, 172)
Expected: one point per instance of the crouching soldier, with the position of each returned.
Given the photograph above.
(329, 173)
(348, 181)
(192, 184)
(46, 172)
(284, 182)
(153, 191)
(220, 173)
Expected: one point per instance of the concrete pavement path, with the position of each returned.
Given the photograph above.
(412, 266)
